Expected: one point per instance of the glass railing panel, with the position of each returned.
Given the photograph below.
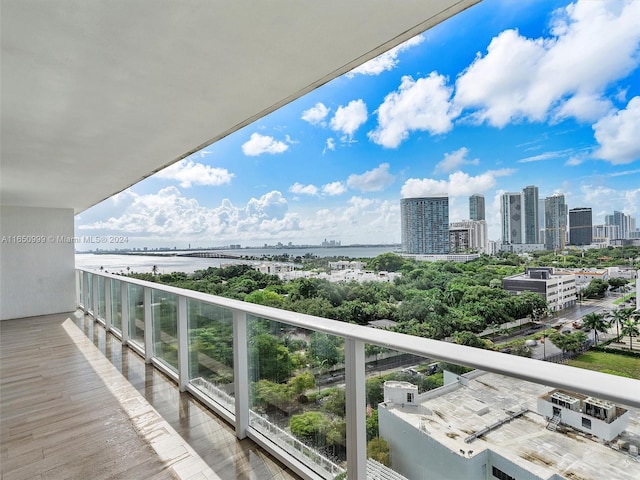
(211, 351)
(80, 287)
(413, 421)
(164, 318)
(101, 307)
(116, 305)
(297, 395)
(136, 314)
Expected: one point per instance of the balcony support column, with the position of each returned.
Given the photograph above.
(241, 372)
(107, 304)
(148, 326)
(183, 344)
(355, 415)
(124, 301)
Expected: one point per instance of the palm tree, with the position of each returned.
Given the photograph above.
(630, 328)
(154, 270)
(595, 322)
(618, 317)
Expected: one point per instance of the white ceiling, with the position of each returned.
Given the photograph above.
(97, 95)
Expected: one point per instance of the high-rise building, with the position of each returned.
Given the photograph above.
(580, 226)
(531, 225)
(468, 236)
(425, 225)
(555, 215)
(511, 213)
(476, 207)
(541, 220)
(625, 223)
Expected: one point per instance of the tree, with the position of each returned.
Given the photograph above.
(596, 322)
(630, 328)
(596, 288)
(154, 270)
(324, 348)
(272, 359)
(388, 262)
(618, 317)
(372, 423)
(468, 339)
(568, 342)
(265, 297)
(617, 282)
(378, 449)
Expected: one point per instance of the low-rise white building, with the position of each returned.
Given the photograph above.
(347, 265)
(490, 426)
(558, 289)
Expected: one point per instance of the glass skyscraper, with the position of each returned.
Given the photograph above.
(476, 207)
(555, 217)
(531, 225)
(511, 212)
(580, 226)
(425, 225)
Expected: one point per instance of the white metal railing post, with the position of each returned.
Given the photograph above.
(78, 286)
(148, 326)
(183, 344)
(107, 304)
(85, 292)
(95, 301)
(124, 301)
(241, 372)
(355, 415)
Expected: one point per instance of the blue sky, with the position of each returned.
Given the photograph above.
(504, 95)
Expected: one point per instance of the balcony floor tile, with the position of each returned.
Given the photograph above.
(76, 405)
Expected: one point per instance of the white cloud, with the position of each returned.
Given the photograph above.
(547, 156)
(618, 134)
(189, 173)
(298, 188)
(360, 218)
(454, 160)
(605, 200)
(334, 188)
(386, 61)
(372, 180)
(329, 145)
(417, 105)
(458, 184)
(316, 115)
(259, 144)
(348, 119)
(563, 75)
(169, 215)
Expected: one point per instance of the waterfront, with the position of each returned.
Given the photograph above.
(171, 261)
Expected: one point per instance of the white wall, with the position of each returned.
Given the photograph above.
(36, 265)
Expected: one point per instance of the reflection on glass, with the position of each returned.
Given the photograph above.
(164, 318)
(116, 305)
(136, 314)
(211, 351)
(297, 392)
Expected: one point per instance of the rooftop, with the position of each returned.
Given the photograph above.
(453, 413)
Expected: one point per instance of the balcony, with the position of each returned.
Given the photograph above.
(196, 357)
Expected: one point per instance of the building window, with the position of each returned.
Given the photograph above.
(409, 397)
(586, 423)
(497, 473)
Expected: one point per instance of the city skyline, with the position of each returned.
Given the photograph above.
(426, 118)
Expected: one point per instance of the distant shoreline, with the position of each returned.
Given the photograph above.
(164, 251)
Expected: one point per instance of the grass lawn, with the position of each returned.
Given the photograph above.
(608, 363)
